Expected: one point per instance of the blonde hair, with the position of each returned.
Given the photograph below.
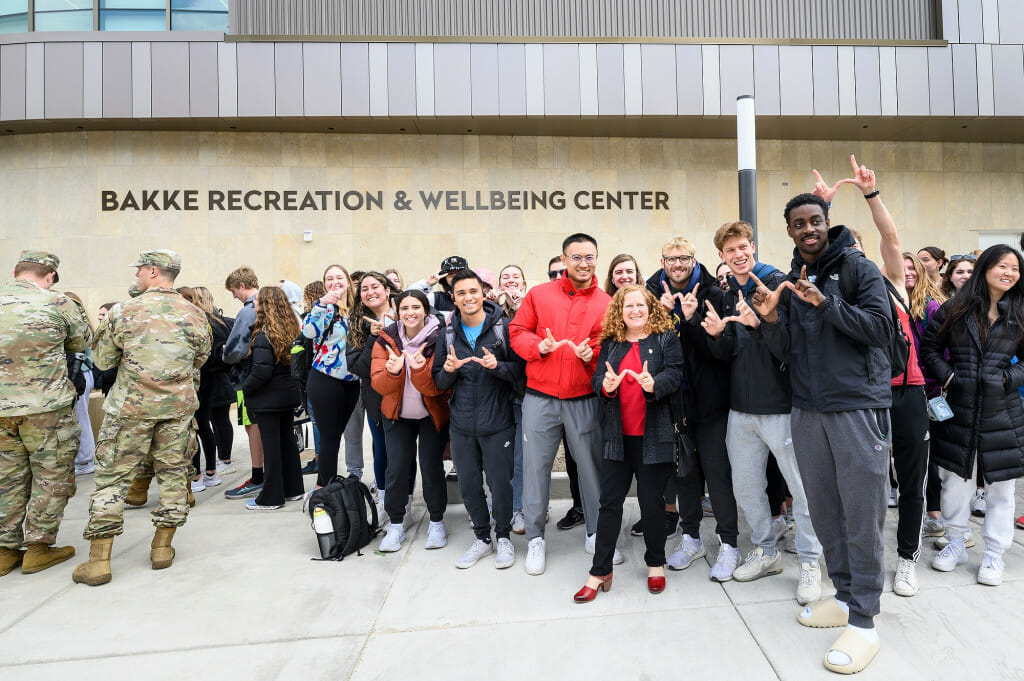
(732, 230)
(203, 299)
(923, 291)
(614, 327)
(681, 243)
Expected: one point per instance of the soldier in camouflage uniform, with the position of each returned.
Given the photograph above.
(158, 342)
(39, 433)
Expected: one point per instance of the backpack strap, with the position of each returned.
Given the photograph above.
(374, 519)
(353, 520)
(848, 278)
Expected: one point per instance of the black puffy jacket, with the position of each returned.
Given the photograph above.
(481, 398)
(269, 384)
(988, 417)
(359, 361)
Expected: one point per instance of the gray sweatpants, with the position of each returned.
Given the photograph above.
(543, 420)
(354, 440)
(844, 462)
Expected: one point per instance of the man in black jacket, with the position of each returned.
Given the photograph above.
(685, 288)
(759, 420)
(474, 360)
(836, 349)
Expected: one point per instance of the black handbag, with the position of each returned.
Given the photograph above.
(685, 449)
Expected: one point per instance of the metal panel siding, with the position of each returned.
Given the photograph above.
(767, 101)
(986, 106)
(63, 80)
(847, 81)
(1008, 77)
(965, 80)
(561, 80)
(825, 65)
(990, 19)
(797, 80)
(971, 26)
(12, 82)
(424, 79)
(511, 80)
(940, 81)
(950, 21)
(452, 95)
(401, 79)
(202, 79)
(170, 80)
(711, 80)
(227, 79)
(255, 79)
(736, 65)
(288, 79)
(632, 75)
(912, 80)
(483, 68)
(92, 80)
(321, 79)
(117, 80)
(887, 80)
(869, 96)
(355, 79)
(588, 79)
(377, 61)
(534, 80)
(34, 80)
(611, 83)
(827, 19)
(658, 79)
(1011, 22)
(142, 80)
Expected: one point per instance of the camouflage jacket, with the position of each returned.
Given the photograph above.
(36, 328)
(158, 342)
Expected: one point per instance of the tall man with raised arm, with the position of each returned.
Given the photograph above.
(835, 343)
(556, 331)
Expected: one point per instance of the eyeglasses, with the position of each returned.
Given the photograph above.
(677, 259)
(969, 258)
(577, 259)
(553, 274)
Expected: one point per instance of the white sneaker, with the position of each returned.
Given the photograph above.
(198, 485)
(211, 480)
(437, 535)
(518, 522)
(758, 564)
(535, 562)
(991, 571)
(590, 545)
(85, 468)
(393, 539)
(932, 527)
(808, 589)
(725, 564)
(954, 554)
(943, 541)
(978, 504)
(905, 582)
(505, 556)
(475, 552)
(225, 467)
(690, 549)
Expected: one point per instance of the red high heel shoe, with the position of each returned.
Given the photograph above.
(586, 594)
(655, 584)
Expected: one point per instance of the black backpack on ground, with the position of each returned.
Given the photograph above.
(346, 500)
(898, 349)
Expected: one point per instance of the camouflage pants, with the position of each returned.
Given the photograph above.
(122, 450)
(146, 469)
(37, 475)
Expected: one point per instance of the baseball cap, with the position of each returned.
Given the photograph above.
(453, 263)
(44, 258)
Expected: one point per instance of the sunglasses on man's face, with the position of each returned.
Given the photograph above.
(553, 274)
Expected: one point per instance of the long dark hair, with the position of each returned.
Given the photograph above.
(357, 328)
(973, 299)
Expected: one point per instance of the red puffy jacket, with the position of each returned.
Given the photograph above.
(570, 313)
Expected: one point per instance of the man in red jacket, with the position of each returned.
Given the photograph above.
(555, 331)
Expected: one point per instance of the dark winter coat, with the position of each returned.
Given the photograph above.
(664, 357)
(706, 378)
(481, 398)
(214, 387)
(269, 384)
(837, 353)
(987, 414)
(359, 361)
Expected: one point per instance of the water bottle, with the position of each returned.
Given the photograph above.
(324, 529)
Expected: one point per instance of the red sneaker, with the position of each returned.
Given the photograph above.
(1020, 522)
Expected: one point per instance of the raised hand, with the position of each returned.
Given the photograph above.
(582, 349)
(611, 379)
(549, 344)
(766, 301)
(822, 189)
(433, 279)
(667, 300)
(417, 360)
(375, 326)
(331, 298)
(689, 302)
(713, 324)
(452, 363)
(395, 363)
(806, 291)
(644, 378)
(863, 177)
(745, 315)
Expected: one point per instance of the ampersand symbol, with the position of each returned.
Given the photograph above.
(401, 203)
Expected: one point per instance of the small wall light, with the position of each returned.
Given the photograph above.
(307, 235)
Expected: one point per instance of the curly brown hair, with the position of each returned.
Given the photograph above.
(276, 319)
(614, 327)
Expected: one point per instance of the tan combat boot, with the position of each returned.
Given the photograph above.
(96, 570)
(161, 551)
(10, 559)
(40, 556)
(138, 493)
(191, 498)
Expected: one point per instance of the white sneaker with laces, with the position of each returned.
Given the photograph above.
(725, 564)
(690, 549)
(505, 556)
(590, 545)
(991, 571)
(954, 554)
(518, 522)
(475, 552)
(978, 504)
(393, 539)
(535, 561)
(943, 541)
(932, 527)
(211, 480)
(808, 589)
(905, 582)
(437, 535)
(225, 467)
(758, 564)
(198, 485)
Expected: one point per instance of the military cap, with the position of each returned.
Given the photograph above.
(160, 257)
(42, 258)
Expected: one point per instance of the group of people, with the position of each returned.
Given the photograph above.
(783, 393)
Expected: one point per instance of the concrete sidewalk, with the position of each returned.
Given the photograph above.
(244, 601)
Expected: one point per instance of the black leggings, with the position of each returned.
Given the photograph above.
(333, 402)
(215, 432)
(282, 472)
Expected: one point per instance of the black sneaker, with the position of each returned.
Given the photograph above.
(452, 475)
(310, 468)
(671, 524)
(638, 529)
(572, 518)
